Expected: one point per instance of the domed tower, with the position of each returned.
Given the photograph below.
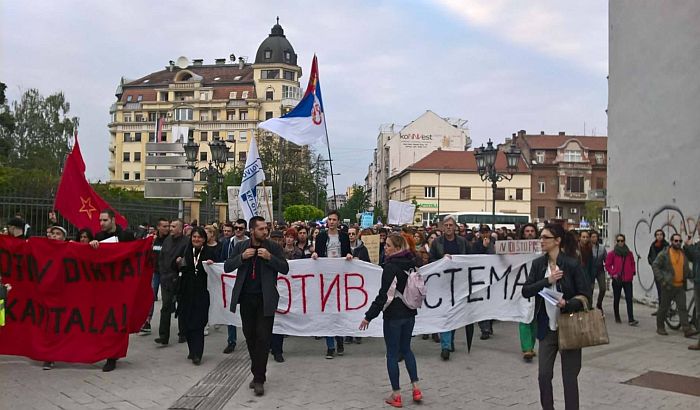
(276, 75)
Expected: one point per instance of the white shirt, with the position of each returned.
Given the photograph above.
(333, 246)
(553, 312)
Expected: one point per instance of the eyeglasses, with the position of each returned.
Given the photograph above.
(546, 237)
(240, 228)
(676, 241)
(620, 241)
(352, 233)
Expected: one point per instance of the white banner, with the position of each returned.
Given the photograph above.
(329, 296)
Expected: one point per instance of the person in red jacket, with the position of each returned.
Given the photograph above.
(621, 268)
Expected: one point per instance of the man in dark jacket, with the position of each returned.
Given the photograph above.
(171, 251)
(109, 229)
(234, 233)
(162, 232)
(443, 246)
(258, 260)
(660, 243)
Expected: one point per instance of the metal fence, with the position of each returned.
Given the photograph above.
(35, 211)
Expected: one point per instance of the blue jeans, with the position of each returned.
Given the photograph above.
(155, 284)
(447, 338)
(232, 338)
(397, 337)
(330, 341)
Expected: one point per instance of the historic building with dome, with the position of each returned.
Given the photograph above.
(223, 99)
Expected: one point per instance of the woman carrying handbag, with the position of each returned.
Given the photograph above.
(556, 271)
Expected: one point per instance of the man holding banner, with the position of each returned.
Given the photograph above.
(258, 262)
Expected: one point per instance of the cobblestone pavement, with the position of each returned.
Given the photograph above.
(493, 375)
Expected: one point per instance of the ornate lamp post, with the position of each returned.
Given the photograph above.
(213, 169)
(486, 166)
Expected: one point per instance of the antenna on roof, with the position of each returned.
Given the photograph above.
(232, 58)
(182, 62)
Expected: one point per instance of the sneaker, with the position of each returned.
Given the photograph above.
(330, 353)
(445, 354)
(394, 400)
(161, 341)
(527, 356)
(341, 349)
(145, 329)
(47, 366)
(230, 348)
(110, 365)
(633, 322)
(485, 336)
(279, 358)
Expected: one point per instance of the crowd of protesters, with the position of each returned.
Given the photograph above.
(576, 262)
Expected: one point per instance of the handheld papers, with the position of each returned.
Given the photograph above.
(551, 296)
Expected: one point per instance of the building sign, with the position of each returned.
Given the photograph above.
(416, 141)
(427, 205)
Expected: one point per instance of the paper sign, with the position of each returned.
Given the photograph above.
(401, 213)
(372, 244)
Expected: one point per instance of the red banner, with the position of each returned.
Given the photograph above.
(72, 303)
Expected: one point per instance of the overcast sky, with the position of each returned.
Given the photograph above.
(501, 65)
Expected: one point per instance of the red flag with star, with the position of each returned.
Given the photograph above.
(76, 200)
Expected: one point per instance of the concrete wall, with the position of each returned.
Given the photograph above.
(654, 124)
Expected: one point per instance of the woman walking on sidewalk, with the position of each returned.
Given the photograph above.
(398, 318)
(562, 273)
(620, 265)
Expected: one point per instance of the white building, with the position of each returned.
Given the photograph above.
(653, 125)
(400, 147)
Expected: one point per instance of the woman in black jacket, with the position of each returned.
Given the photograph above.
(398, 318)
(564, 274)
(192, 293)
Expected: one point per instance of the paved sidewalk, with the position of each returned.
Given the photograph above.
(492, 376)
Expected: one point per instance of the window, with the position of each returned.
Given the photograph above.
(244, 115)
(230, 115)
(203, 136)
(163, 96)
(127, 137)
(572, 155)
(541, 184)
(139, 117)
(127, 117)
(127, 157)
(269, 74)
(600, 183)
(137, 157)
(204, 116)
(541, 212)
(126, 176)
(232, 95)
(269, 95)
(430, 192)
(574, 184)
(500, 194)
(137, 137)
(203, 95)
(139, 98)
(244, 95)
(152, 116)
(558, 212)
(128, 98)
(203, 156)
(151, 137)
(518, 194)
(268, 54)
(465, 192)
(231, 137)
(215, 116)
(137, 176)
(214, 135)
(183, 114)
(268, 115)
(243, 136)
(290, 92)
(540, 157)
(241, 156)
(287, 56)
(203, 176)
(599, 158)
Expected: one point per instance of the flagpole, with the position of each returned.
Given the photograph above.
(267, 200)
(330, 162)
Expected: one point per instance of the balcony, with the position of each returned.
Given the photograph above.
(237, 103)
(132, 106)
(572, 196)
(289, 102)
(183, 85)
(597, 194)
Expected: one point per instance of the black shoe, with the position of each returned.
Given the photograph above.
(251, 385)
(279, 358)
(110, 365)
(330, 353)
(145, 329)
(618, 320)
(425, 337)
(445, 354)
(181, 339)
(485, 336)
(196, 360)
(349, 339)
(230, 348)
(190, 357)
(633, 322)
(340, 349)
(436, 338)
(358, 340)
(161, 341)
(653, 314)
(258, 389)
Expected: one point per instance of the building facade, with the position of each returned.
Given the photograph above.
(568, 175)
(400, 147)
(654, 126)
(224, 100)
(448, 181)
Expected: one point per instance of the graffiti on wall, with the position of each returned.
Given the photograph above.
(669, 218)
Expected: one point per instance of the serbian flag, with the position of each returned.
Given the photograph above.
(159, 129)
(306, 123)
(76, 200)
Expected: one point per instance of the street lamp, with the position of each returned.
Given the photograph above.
(215, 166)
(486, 166)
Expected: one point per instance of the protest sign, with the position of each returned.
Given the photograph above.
(401, 213)
(72, 303)
(367, 220)
(330, 296)
(372, 244)
(521, 246)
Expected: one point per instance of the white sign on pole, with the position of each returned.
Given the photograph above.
(234, 205)
(330, 296)
(401, 213)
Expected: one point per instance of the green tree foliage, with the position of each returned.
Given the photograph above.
(379, 213)
(357, 203)
(7, 126)
(302, 213)
(593, 211)
(42, 135)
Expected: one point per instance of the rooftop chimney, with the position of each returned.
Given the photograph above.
(541, 132)
(220, 61)
(562, 133)
(521, 133)
(241, 63)
(197, 62)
